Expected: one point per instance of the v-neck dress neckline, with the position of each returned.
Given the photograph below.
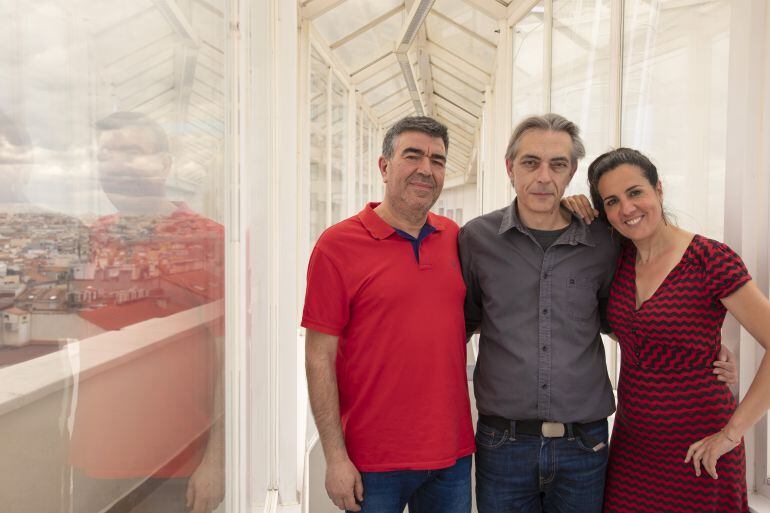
(639, 305)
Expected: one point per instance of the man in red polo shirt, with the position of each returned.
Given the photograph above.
(385, 345)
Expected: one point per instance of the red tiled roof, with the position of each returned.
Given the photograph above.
(199, 282)
(115, 317)
(16, 311)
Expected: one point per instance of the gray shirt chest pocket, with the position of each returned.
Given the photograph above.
(581, 297)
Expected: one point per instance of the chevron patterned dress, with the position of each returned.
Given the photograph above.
(668, 397)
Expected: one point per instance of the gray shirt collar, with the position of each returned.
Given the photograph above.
(577, 233)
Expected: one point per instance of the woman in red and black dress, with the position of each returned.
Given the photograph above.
(677, 439)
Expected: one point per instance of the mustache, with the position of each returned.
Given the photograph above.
(416, 178)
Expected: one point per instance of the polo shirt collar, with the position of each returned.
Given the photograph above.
(379, 229)
(578, 232)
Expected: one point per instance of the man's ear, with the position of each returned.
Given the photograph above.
(509, 169)
(383, 163)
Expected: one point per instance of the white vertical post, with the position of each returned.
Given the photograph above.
(547, 54)
(350, 160)
(496, 188)
(746, 186)
(616, 72)
(284, 250)
(237, 56)
(329, 109)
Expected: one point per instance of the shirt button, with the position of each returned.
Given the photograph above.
(545, 349)
(545, 276)
(545, 387)
(545, 310)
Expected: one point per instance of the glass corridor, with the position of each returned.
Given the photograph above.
(167, 166)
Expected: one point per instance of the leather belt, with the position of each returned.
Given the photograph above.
(545, 428)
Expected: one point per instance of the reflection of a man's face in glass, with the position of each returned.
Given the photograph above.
(132, 162)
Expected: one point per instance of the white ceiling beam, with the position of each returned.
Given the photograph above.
(517, 10)
(459, 100)
(458, 146)
(426, 77)
(477, 87)
(395, 109)
(465, 30)
(414, 20)
(411, 82)
(490, 8)
(426, 74)
(322, 46)
(176, 18)
(464, 92)
(397, 113)
(376, 21)
(313, 9)
(400, 95)
(458, 130)
(373, 68)
(457, 116)
(471, 117)
(459, 63)
(409, 31)
(380, 83)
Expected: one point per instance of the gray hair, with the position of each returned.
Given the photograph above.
(422, 124)
(551, 123)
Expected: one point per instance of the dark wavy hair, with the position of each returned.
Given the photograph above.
(613, 159)
(423, 124)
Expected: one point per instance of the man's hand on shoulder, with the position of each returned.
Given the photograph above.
(344, 485)
(581, 206)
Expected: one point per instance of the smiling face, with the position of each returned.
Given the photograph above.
(540, 172)
(633, 206)
(414, 176)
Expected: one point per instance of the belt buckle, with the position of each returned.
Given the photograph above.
(552, 429)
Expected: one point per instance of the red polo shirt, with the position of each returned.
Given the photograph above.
(401, 355)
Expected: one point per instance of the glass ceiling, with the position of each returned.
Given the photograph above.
(452, 57)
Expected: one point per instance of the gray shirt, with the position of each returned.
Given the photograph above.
(540, 354)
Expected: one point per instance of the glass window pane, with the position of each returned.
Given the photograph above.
(339, 138)
(319, 115)
(674, 102)
(111, 253)
(581, 71)
(527, 74)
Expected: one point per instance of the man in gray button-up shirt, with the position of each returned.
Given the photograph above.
(535, 276)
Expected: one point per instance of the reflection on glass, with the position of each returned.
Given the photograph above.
(111, 261)
(319, 107)
(339, 140)
(157, 415)
(674, 108)
(367, 159)
(580, 75)
(527, 75)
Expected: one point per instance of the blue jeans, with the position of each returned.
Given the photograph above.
(445, 490)
(517, 473)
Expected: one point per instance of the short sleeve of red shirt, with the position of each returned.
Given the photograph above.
(725, 271)
(327, 307)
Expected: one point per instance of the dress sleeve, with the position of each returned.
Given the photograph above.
(725, 271)
(327, 304)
